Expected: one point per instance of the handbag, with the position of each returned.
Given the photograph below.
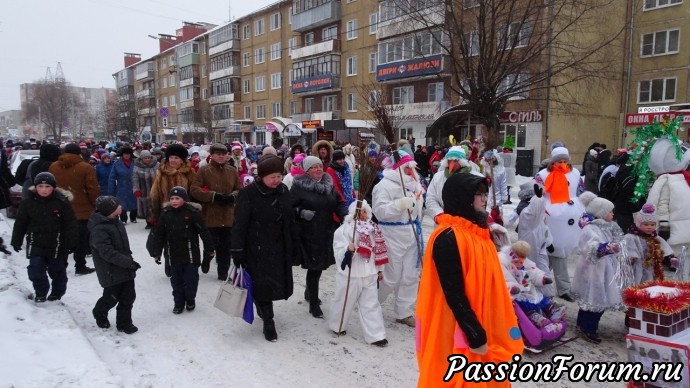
(232, 296)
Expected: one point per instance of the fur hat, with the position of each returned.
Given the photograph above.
(646, 214)
(596, 206)
(310, 161)
(45, 177)
(521, 248)
(559, 153)
(125, 150)
(106, 204)
(72, 148)
(526, 191)
(269, 164)
(179, 191)
(176, 150)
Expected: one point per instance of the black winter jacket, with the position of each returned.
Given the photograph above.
(178, 230)
(48, 223)
(112, 256)
(261, 238)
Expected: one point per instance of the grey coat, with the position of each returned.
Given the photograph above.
(142, 180)
(112, 256)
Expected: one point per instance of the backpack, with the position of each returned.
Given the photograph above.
(608, 187)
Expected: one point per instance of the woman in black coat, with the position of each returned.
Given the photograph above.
(316, 203)
(261, 239)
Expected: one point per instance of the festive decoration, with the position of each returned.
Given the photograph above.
(645, 137)
(625, 274)
(639, 297)
(509, 142)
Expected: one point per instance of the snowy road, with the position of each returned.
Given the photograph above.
(59, 344)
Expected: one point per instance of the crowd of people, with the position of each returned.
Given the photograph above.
(269, 210)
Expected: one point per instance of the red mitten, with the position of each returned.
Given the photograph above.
(137, 194)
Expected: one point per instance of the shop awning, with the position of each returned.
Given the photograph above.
(277, 124)
(293, 130)
(359, 124)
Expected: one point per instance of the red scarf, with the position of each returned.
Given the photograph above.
(557, 184)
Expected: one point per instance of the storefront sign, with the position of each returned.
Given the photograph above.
(635, 119)
(420, 111)
(270, 127)
(311, 124)
(325, 135)
(291, 130)
(528, 116)
(312, 83)
(410, 68)
(653, 109)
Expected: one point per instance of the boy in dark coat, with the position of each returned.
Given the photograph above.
(47, 220)
(115, 267)
(179, 228)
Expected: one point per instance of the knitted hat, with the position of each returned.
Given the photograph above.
(269, 164)
(559, 153)
(521, 248)
(596, 206)
(72, 148)
(310, 161)
(456, 153)
(338, 155)
(269, 151)
(145, 154)
(176, 150)
(593, 152)
(218, 147)
(45, 177)
(646, 214)
(82, 145)
(106, 204)
(526, 191)
(237, 147)
(157, 151)
(179, 191)
(298, 159)
(106, 156)
(405, 161)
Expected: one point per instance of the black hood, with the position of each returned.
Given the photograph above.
(50, 152)
(458, 196)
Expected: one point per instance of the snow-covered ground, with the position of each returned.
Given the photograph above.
(57, 344)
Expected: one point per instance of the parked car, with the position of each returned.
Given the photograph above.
(16, 191)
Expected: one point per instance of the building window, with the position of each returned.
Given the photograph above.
(259, 27)
(259, 56)
(245, 32)
(329, 33)
(224, 61)
(276, 110)
(435, 92)
(292, 44)
(352, 29)
(315, 66)
(652, 4)
(205, 93)
(261, 111)
(329, 103)
(421, 45)
(203, 47)
(514, 35)
(373, 23)
(260, 137)
(172, 80)
(222, 112)
(165, 82)
(275, 21)
(657, 90)
(172, 100)
(259, 84)
(275, 51)
(659, 43)
(351, 102)
(245, 59)
(372, 62)
(352, 66)
(222, 86)
(403, 95)
(246, 86)
(472, 43)
(293, 107)
(308, 105)
(514, 85)
(165, 100)
(247, 112)
(224, 34)
(308, 38)
(275, 80)
(406, 133)
(518, 132)
(203, 71)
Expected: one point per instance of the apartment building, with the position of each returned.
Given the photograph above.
(659, 63)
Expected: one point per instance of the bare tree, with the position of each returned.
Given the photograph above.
(499, 51)
(382, 113)
(53, 104)
(107, 119)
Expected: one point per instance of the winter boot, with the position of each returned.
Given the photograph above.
(312, 292)
(191, 305)
(206, 264)
(381, 343)
(306, 296)
(128, 329)
(178, 310)
(266, 309)
(101, 319)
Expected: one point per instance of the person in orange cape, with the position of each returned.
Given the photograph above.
(463, 306)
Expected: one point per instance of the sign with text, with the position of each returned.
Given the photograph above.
(528, 116)
(418, 111)
(325, 135)
(312, 83)
(653, 109)
(410, 68)
(311, 123)
(635, 119)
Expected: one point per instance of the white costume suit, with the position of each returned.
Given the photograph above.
(535, 232)
(363, 288)
(401, 273)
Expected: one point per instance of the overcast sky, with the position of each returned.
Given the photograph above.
(89, 37)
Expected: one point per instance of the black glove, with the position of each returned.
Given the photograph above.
(16, 249)
(134, 266)
(157, 259)
(347, 260)
(224, 199)
(307, 214)
(548, 280)
(550, 248)
(538, 191)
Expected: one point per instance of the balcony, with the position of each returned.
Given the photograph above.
(328, 46)
(224, 98)
(232, 44)
(189, 82)
(146, 112)
(146, 93)
(145, 76)
(223, 123)
(423, 20)
(232, 71)
(185, 104)
(318, 16)
(316, 83)
(125, 97)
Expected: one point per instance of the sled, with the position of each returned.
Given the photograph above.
(549, 345)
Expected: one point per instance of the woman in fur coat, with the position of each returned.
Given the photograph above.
(174, 171)
(145, 168)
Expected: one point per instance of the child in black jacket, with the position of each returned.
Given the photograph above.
(115, 266)
(47, 220)
(178, 228)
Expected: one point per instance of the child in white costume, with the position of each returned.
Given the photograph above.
(365, 257)
(646, 248)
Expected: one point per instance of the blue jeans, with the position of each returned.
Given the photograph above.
(56, 268)
(185, 281)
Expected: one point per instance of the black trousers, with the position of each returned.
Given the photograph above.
(132, 215)
(313, 277)
(221, 238)
(589, 320)
(185, 282)
(122, 295)
(83, 247)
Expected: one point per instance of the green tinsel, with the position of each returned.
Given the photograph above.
(509, 142)
(645, 138)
